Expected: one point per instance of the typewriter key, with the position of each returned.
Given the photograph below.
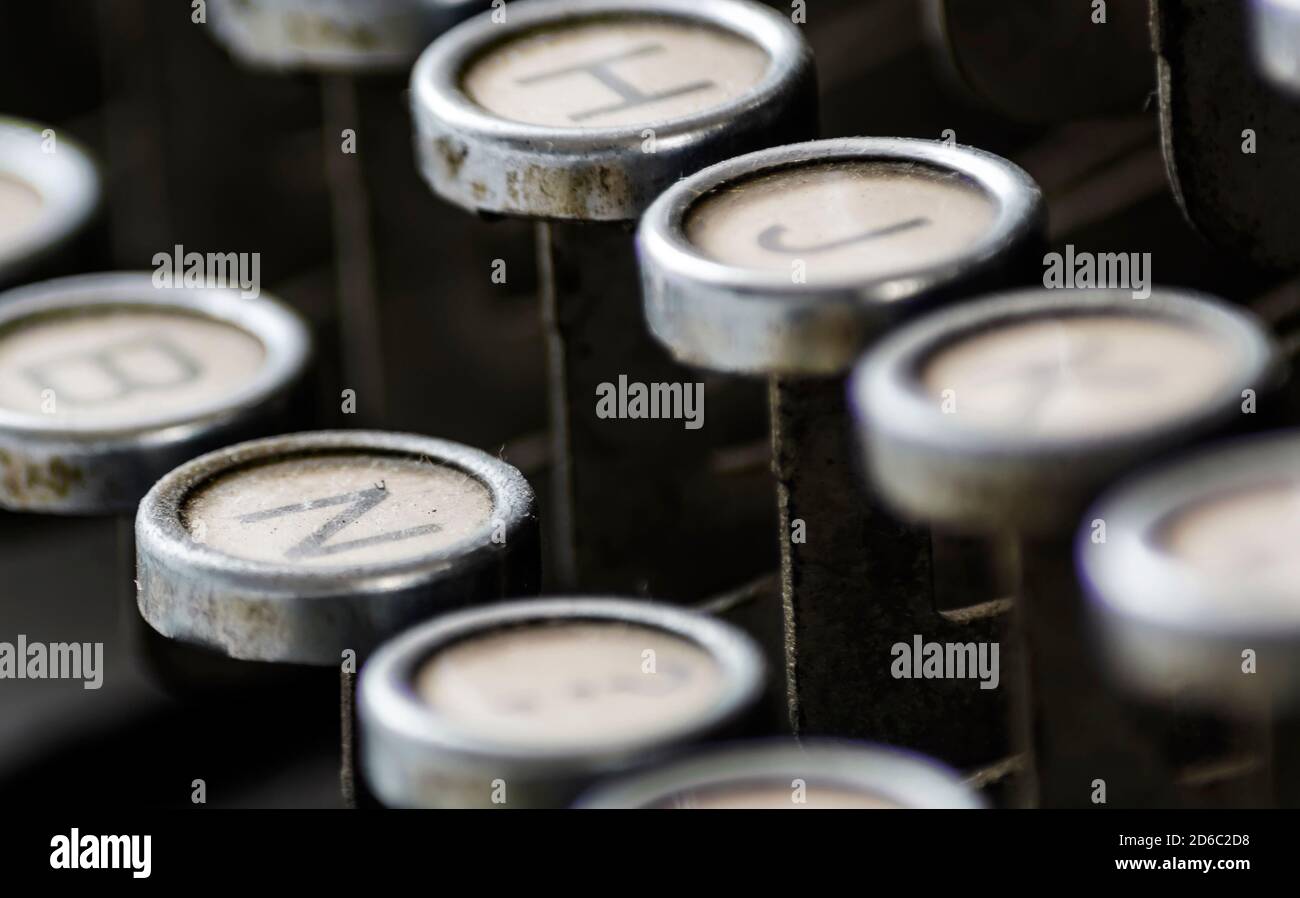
(577, 113)
(817, 775)
(312, 548)
(1006, 416)
(786, 263)
(523, 705)
(1230, 139)
(333, 35)
(49, 191)
(1195, 590)
(106, 383)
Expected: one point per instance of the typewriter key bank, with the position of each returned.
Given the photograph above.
(309, 549)
(575, 114)
(106, 382)
(786, 263)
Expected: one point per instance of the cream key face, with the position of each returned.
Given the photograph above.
(337, 509)
(20, 206)
(613, 72)
(1078, 376)
(777, 796)
(1244, 541)
(122, 367)
(571, 685)
(838, 221)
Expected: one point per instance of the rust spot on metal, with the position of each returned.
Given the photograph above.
(23, 480)
(450, 154)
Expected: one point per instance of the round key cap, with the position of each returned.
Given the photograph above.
(326, 35)
(107, 382)
(49, 191)
(787, 262)
(1006, 416)
(975, 415)
(1197, 567)
(1195, 592)
(587, 109)
(525, 704)
(814, 775)
(297, 548)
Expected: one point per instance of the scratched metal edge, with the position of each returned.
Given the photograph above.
(262, 612)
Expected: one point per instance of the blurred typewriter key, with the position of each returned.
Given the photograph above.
(787, 263)
(812, 775)
(577, 113)
(49, 193)
(1007, 416)
(334, 35)
(525, 704)
(310, 549)
(1196, 590)
(1046, 62)
(106, 383)
(1275, 27)
(1229, 138)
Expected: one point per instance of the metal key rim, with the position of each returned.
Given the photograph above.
(1163, 622)
(281, 333)
(160, 533)
(443, 112)
(67, 180)
(912, 780)
(959, 475)
(401, 729)
(749, 320)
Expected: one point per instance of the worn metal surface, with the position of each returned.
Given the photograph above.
(1082, 736)
(859, 584)
(1211, 92)
(414, 758)
(487, 164)
(51, 466)
(285, 613)
(637, 507)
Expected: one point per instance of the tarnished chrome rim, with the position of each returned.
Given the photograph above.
(406, 744)
(896, 776)
(484, 163)
(67, 181)
(57, 466)
(756, 321)
(258, 610)
(966, 477)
